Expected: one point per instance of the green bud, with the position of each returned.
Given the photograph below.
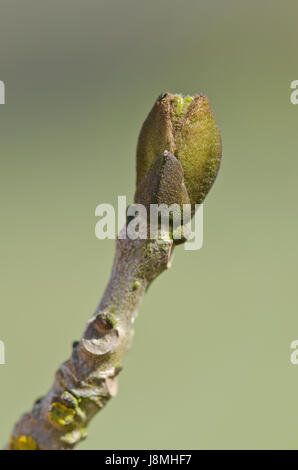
(185, 127)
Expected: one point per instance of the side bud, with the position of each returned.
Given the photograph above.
(163, 183)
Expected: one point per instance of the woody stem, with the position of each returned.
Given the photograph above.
(88, 379)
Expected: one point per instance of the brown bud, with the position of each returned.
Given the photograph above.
(186, 128)
(104, 322)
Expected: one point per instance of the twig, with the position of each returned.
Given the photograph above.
(186, 128)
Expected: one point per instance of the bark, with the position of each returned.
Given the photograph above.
(88, 379)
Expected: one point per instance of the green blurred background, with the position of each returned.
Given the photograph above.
(210, 364)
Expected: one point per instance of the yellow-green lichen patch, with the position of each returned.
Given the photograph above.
(61, 415)
(22, 443)
(70, 401)
(118, 368)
